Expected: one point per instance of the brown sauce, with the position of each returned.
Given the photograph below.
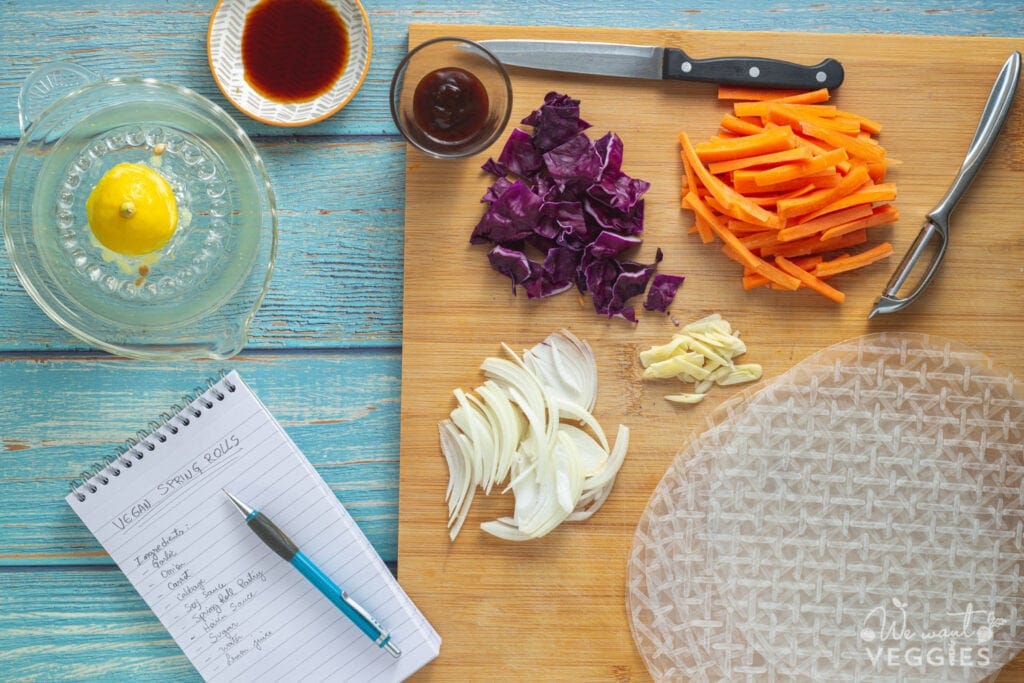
(293, 50)
(450, 105)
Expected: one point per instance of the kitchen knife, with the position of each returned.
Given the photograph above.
(638, 61)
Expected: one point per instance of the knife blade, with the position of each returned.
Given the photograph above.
(652, 62)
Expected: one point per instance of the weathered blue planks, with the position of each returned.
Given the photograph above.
(61, 415)
(82, 625)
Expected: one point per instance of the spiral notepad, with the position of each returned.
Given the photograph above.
(236, 609)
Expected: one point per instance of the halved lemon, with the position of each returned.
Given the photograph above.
(132, 210)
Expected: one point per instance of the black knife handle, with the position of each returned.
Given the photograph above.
(751, 71)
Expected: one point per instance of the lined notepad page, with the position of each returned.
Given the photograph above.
(236, 608)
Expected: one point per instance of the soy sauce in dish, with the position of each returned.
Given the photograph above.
(450, 105)
(293, 50)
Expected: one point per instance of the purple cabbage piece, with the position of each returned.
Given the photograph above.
(519, 155)
(610, 149)
(662, 292)
(608, 218)
(575, 159)
(512, 263)
(493, 167)
(618, 191)
(555, 122)
(569, 200)
(563, 222)
(496, 190)
(556, 274)
(512, 216)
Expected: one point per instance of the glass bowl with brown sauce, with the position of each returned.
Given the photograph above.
(451, 98)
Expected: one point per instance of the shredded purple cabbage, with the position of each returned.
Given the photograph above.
(569, 200)
(662, 292)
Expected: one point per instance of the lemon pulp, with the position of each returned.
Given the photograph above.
(132, 210)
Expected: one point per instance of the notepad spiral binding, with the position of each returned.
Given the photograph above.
(90, 481)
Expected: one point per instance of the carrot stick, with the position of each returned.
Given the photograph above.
(880, 215)
(800, 206)
(752, 279)
(735, 124)
(822, 223)
(866, 124)
(814, 245)
(876, 253)
(747, 186)
(703, 229)
(738, 212)
(736, 92)
(856, 147)
(810, 280)
(799, 169)
(727, 196)
(794, 111)
(772, 198)
(773, 140)
(793, 154)
(691, 178)
(747, 257)
(744, 227)
(759, 240)
(809, 97)
(866, 195)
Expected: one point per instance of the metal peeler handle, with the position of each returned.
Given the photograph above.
(997, 107)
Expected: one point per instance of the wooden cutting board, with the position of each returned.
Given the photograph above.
(555, 608)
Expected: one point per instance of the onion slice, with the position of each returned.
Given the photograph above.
(531, 423)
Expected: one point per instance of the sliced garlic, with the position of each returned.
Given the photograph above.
(702, 353)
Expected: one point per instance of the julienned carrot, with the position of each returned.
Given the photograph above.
(792, 154)
(759, 240)
(734, 124)
(866, 195)
(786, 182)
(751, 280)
(821, 224)
(722, 192)
(733, 92)
(798, 169)
(773, 140)
(748, 257)
(746, 185)
(854, 146)
(880, 215)
(801, 206)
(744, 109)
(876, 253)
(812, 282)
(814, 245)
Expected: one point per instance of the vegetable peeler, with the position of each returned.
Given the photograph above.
(936, 224)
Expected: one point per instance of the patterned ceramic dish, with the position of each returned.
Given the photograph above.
(224, 48)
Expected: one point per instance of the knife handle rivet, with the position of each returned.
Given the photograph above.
(820, 76)
(754, 72)
(686, 67)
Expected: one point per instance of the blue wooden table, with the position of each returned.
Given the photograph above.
(325, 350)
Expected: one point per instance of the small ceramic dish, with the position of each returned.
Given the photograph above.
(226, 53)
(451, 98)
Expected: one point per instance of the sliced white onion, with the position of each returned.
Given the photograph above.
(517, 426)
